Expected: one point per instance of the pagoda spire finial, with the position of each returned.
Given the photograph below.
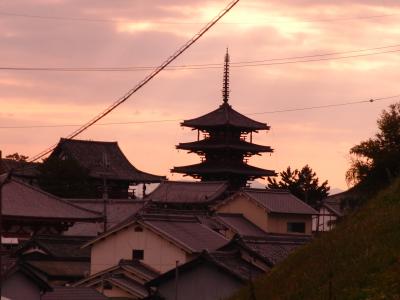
(225, 87)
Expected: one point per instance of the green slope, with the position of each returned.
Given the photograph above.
(360, 259)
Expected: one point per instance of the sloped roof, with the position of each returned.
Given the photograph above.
(128, 275)
(240, 224)
(229, 262)
(23, 201)
(116, 210)
(58, 246)
(274, 247)
(225, 115)
(61, 269)
(185, 231)
(74, 293)
(188, 192)
(103, 159)
(280, 201)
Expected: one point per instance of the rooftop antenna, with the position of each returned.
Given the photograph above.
(225, 86)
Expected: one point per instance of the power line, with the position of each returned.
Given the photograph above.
(239, 64)
(100, 20)
(181, 119)
(147, 79)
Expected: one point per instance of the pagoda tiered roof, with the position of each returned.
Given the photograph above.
(225, 115)
(206, 168)
(210, 144)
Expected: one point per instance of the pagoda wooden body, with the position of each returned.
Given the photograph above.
(226, 145)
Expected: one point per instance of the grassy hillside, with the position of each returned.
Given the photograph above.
(360, 259)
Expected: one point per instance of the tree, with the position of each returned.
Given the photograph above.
(66, 178)
(304, 184)
(17, 157)
(376, 161)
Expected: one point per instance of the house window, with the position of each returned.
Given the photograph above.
(137, 254)
(299, 227)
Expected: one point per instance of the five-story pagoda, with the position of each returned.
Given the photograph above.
(227, 144)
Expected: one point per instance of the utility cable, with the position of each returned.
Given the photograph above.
(181, 119)
(144, 81)
(249, 63)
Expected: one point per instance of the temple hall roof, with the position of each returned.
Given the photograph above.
(103, 159)
(225, 115)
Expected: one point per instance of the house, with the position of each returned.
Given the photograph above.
(59, 259)
(28, 210)
(106, 163)
(238, 224)
(126, 280)
(22, 170)
(19, 282)
(113, 210)
(211, 275)
(158, 240)
(187, 194)
(330, 211)
(274, 211)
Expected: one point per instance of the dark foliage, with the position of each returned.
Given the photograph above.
(17, 157)
(303, 183)
(66, 178)
(376, 161)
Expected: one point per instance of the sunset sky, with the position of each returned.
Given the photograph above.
(135, 33)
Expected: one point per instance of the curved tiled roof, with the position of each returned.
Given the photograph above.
(93, 155)
(225, 115)
(21, 200)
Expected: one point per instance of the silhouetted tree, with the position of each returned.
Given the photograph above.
(303, 183)
(17, 157)
(66, 178)
(376, 161)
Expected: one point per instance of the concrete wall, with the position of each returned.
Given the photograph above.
(243, 205)
(158, 253)
(277, 223)
(204, 282)
(20, 287)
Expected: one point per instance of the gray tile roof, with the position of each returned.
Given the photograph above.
(21, 200)
(116, 210)
(58, 246)
(181, 192)
(91, 155)
(73, 293)
(71, 269)
(128, 275)
(275, 248)
(186, 231)
(278, 201)
(239, 224)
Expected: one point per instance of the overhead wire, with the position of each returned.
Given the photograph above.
(101, 20)
(239, 64)
(142, 83)
(371, 100)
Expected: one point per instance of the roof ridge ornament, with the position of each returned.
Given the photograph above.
(225, 86)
